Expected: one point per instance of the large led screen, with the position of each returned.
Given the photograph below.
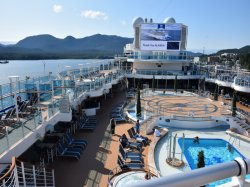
(157, 36)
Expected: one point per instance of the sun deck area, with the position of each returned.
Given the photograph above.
(100, 156)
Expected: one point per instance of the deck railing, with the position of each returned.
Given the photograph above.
(12, 130)
(23, 174)
(199, 177)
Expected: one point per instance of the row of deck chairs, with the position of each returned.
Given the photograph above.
(26, 110)
(70, 147)
(131, 159)
(64, 145)
(245, 113)
(117, 112)
(87, 122)
(245, 103)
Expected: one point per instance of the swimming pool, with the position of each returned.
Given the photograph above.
(215, 151)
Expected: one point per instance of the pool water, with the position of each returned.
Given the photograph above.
(215, 151)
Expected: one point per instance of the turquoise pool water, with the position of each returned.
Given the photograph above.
(215, 151)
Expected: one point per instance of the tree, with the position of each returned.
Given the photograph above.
(234, 104)
(175, 84)
(153, 83)
(138, 103)
(216, 93)
(201, 160)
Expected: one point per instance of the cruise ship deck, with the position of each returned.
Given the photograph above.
(59, 127)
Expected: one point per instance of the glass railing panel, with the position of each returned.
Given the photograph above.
(16, 133)
(21, 86)
(7, 101)
(53, 108)
(45, 96)
(6, 89)
(58, 91)
(3, 142)
(57, 83)
(68, 83)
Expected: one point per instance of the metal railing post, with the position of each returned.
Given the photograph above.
(53, 177)
(4, 185)
(45, 182)
(16, 177)
(34, 175)
(23, 174)
(22, 128)
(7, 137)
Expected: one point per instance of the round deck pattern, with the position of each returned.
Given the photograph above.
(180, 105)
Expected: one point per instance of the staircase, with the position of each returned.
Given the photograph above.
(20, 174)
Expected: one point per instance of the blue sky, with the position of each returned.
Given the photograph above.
(213, 24)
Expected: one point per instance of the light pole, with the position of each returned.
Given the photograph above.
(68, 70)
(81, 69)
(44, 65)
(13, 82)
(88, 68)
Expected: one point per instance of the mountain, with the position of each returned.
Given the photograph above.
(110, 44)
(48, 46)
(193, 54)
(245, 49)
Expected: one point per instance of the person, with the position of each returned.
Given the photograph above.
(196, 139)
(123, 141)
(112, 123)
(19, 101)
(157, 133)
(147, 176)
(137, 127)
(229, 147)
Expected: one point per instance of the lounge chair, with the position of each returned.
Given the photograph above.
(131, 158)
(126, 165)
(138, 139)
(128, 144)
(129, 154)
(91, 119)
(87, 126)
(119, 118)
(68, 152)
(70, 137)
(75, 143)
(137, 135)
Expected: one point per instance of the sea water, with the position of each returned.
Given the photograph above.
(33, 68)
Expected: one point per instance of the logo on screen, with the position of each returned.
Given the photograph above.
(161, 26)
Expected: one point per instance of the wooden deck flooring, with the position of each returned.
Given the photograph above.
(100, 156)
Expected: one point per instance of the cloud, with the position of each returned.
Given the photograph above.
(123, 22)
(91, 14)
(57, 8)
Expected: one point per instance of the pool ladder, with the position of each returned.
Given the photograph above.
(234, 140)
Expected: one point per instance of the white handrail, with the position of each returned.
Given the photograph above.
(29, 174)
(202, 176)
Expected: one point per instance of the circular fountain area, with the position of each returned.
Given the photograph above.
(172, 109)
